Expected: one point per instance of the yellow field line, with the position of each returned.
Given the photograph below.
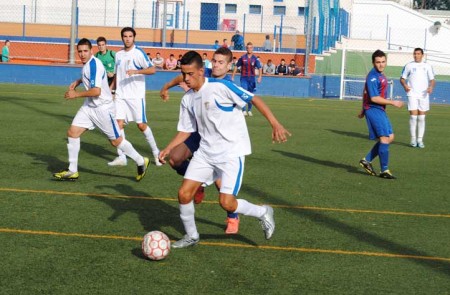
(228, 245)
(215, 202)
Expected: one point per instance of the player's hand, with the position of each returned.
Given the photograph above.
(162, 155)
(73, 85)
(71, 94)
(407, 89)
(397, 103)
(131, 73)
(429, 90)
(110, 74)
(259, 79)
(361, 114)
(279, 133)
(164, 94)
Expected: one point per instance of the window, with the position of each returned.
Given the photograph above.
(301, 11)
(254, 9)
(277, 0)
(230, 8)
(279, 10)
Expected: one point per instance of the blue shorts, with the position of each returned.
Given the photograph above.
(248, 83)
(193, 142)
(378, 123)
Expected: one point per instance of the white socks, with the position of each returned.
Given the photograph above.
(119, 151)
(151, 140)
(246, 208)
(129, 150)
(413, 127)
(187, 215)
(420, 127)
(73, 148)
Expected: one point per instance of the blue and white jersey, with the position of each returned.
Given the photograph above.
(131, 87)
(93, 75)
(215, 111)
(418, 76)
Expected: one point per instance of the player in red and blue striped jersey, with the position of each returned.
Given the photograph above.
(374, 109)
(248, 63)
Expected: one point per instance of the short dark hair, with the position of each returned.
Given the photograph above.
(225, 52)
(101, 39)
(377, 53)
(85, 41)
(128, 29)
(192, 57)
(418, 49)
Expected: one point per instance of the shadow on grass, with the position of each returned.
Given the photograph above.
(361, 135)
(156, 214)
(359, 235)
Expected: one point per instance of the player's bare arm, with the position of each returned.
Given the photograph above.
(73, 94)
(147, 71)
(178, 139)
(75, 84)
(279, 133)
(431, 87)
(383, 101)
(405, 85)
(164, 92)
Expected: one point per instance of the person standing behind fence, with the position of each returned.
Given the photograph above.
(267, 46)
(418, 80)
(132, 65)
(107, 57)
(5, 52)
(237, 41)
(248, 63)
(374, 109)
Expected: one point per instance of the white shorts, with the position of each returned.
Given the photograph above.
(418, 103)
(230, 172)
(102, 117)
(131, 110)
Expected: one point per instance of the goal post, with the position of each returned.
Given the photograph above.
(285, 39)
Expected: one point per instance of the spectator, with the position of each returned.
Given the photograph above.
(269, 68)
(291, 67)
(179, 62)
(206, 62)
(282, 68)
(225, 43)
(298, 71)
(216, 45)
(5, 52)
(107, 57)
(267, 46)
(233, 65)
(158, 61)
(171, 63)
(237, 41)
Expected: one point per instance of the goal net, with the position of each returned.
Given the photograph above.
(285, 39)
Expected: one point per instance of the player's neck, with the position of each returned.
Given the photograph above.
(129, 48)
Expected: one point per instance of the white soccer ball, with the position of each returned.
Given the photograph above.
(156, 245)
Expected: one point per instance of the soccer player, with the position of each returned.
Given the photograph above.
(213, 108)
(98, 110)
(106, 56)
(248, 63)
(181, 154)
(420, 85)
(374, 109)
(132, 64)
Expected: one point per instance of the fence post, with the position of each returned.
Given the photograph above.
(23, 22)
(187, 29)
(280, 45)
(118, 12)
(243, 29)
(262, 18)
(132, 17)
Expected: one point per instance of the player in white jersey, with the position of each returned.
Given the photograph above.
(132, 64)
(213, 107)
(418, 80)
(97, 111)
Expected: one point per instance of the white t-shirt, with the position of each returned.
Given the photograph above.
(418, 76)
(215, 111)
(93, 75)
(131, 87)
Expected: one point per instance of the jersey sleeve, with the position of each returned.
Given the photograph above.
(141, 60)
(237, 95)
(186, 121)
(373, 87)
(258, 64)
(96, 73)
(430, 73)
(239, 62)
(405, 72)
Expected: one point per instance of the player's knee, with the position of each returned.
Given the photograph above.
(142, 126)
(116, 142)
(184, 196)
(228, 203)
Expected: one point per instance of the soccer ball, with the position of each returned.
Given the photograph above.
(156, 245)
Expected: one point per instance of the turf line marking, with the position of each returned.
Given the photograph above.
(228, 245)
(215, 202)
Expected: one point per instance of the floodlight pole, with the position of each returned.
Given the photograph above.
(163, 40)
(73, 32)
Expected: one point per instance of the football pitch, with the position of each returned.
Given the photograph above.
(338, 230)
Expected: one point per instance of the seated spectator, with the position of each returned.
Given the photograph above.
(269, 68)
(298, 71)
(291, 67)
(216, 44)
(233, 64)
(179, 62)
(267, 46)
(206, 63)
(158, 61)
(171, 63)
(225, 43)
(282, 68)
